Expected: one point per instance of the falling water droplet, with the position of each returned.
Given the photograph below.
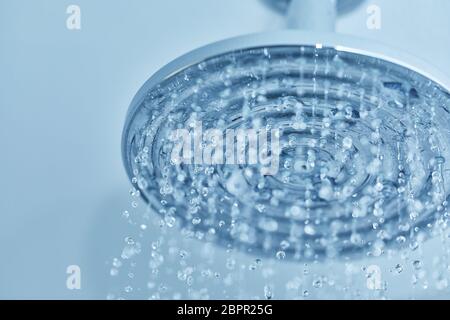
(281, 255)
(268, 294)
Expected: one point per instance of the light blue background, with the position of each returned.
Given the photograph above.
(63, 99)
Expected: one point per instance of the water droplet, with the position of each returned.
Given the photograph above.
(281, 255)
(268, 293)
(310, 230)
(347, 143)
(128, 289)
(317, 283)
(417, 264)
(284, 245)
(440, 160)
(117, 263)
(400, 239)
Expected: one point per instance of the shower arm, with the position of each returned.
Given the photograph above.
(312, 15)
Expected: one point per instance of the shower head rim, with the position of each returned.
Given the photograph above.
(341, 43)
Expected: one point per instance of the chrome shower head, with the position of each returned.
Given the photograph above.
(363, 134)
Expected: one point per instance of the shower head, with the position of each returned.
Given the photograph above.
(363, 142)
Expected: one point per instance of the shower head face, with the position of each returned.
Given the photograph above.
(363, 145)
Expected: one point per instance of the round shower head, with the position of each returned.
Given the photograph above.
(355, 159)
